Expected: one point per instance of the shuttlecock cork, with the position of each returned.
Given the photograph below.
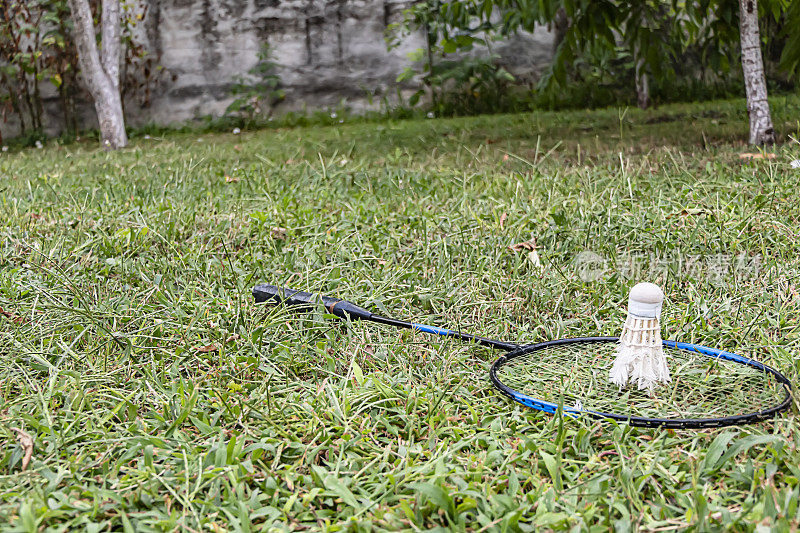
(640, 354)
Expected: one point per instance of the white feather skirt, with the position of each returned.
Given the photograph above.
(640, 355)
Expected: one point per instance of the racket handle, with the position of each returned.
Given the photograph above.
(305, 301)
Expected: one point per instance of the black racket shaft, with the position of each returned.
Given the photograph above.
(305, 301)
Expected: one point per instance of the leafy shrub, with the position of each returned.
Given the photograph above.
(258, 94)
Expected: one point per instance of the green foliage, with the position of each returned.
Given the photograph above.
(604, 36)
(141, 71)
(603, 43)
(457, 67)
(37, 48)
(159, 397)
(34, 49)
(257, 95)
(790, 56)
(468, 86)
(472, 85)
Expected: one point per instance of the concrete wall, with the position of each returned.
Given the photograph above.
(329, 51)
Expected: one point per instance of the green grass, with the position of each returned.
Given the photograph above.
(159, 396)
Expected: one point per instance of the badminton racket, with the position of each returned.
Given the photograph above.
(709, 387)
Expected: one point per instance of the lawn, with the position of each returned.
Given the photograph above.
(143, 389)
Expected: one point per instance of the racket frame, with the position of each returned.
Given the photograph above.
(346, 310)
(671, 423)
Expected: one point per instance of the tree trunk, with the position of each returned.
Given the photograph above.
(430, 40)
(560, 26)
(101, 69)
(38, 106)
(642, 81)
(761, 131)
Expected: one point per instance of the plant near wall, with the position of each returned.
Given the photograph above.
(257, 94)
(140, 71)
(61, 59)
(38, 57)
(426, 17)
(36, 49)
(472, 85)
(459, 71)
(21, 66)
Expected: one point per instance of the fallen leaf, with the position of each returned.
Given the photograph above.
(11, 316)
(207, 349)
(527, 245)
(695, 211)
(279, 233)
(503, 218)
(533, 257)
(26, 441)
(759, 155)
(234, 337)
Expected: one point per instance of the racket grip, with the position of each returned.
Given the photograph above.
(305, 301)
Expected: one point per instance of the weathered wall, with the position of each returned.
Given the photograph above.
(328, 51)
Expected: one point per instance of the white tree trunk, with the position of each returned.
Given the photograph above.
(761, 131)
(101, 70)
(109, 39)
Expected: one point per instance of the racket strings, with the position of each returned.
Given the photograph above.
(703, 386)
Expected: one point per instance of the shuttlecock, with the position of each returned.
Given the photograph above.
(640, 354)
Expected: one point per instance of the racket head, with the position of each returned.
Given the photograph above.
(709, 387)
